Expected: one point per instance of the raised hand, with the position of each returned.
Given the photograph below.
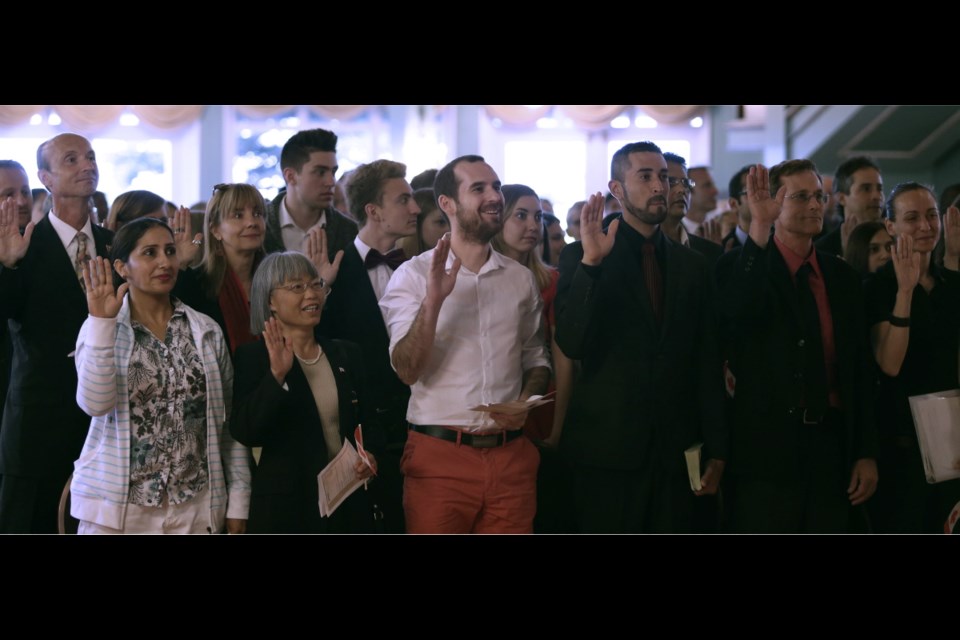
(13, 246)
(188, 244)
(440, 283)
(102, 300)
(597, 245)
(764, 208)
(279, 348)
(316, 250)
(846, 228)
(906, 264)
(712, 230)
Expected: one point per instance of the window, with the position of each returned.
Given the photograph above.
(128, 157)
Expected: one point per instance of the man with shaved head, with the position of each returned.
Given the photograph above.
(42, 297)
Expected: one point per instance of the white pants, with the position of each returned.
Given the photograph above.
(189, 517)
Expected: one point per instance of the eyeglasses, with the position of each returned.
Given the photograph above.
(803, 197)
(300, 288)
(687, 183)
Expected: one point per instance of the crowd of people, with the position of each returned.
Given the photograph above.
(678, 368)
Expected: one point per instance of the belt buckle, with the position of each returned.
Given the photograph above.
(485, 441)
(808, 421)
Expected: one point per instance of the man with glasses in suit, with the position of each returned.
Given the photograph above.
(803, 440)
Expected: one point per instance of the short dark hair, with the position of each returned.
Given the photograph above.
(737, 182)
(948, 195)
(675, 159)
(296, 152)
(126, 239)
(790, 168)
(621, 159)
(843, 178)
(446, 183)
(366, 185)
(902, 188)
(424, 179)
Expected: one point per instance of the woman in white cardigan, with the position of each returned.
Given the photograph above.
(156, 377)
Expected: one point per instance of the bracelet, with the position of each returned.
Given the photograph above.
(898, 322)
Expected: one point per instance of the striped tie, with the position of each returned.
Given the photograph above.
(81, 257)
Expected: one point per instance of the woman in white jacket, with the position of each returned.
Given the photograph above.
(156, 377)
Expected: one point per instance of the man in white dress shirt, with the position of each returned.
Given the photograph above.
(465, 330)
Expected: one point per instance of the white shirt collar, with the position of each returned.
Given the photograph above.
(286, 220)
(495, 261)
(67, 234)
(362, 248)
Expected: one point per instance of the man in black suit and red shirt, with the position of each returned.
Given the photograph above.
(42, 296)
(803, 440)
(382, 202)
(637, 309)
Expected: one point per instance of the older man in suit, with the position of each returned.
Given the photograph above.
(308, 161)
(382, 202)
(42, 296)
(803, 439)
(637, 309)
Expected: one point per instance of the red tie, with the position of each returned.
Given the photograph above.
(653, 279)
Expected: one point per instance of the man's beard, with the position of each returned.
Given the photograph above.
(477, 229)
(654, 213)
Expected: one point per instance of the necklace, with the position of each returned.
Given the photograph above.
(310, 363)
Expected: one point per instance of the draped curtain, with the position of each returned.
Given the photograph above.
(592, 116)
(86, 117)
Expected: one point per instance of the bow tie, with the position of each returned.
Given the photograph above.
(393, 259)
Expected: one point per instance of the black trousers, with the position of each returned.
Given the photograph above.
(812, 499)
(30, 505)
(638, 501)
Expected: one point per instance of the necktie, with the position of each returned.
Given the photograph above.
(814, 367)
(393, 259)
(81, 257)
(653, 279)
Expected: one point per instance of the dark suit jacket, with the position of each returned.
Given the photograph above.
(730, 241)
(708, 249)
(341, 230)
(190, 290)
(644, 394)
(287, 425)
(353, 313)
(831, 243)
(43, 427)
(760, 310)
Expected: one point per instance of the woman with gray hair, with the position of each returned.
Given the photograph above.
(298, 397)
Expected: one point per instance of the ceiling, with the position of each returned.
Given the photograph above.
(902, 138)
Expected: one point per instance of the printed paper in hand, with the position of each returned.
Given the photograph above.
(338, 479)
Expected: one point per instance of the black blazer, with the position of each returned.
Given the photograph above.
(708, 249)
(287, 425)
(763, 324)
(43, 427)
(353, 313)
(341, 230)
(644, 394)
